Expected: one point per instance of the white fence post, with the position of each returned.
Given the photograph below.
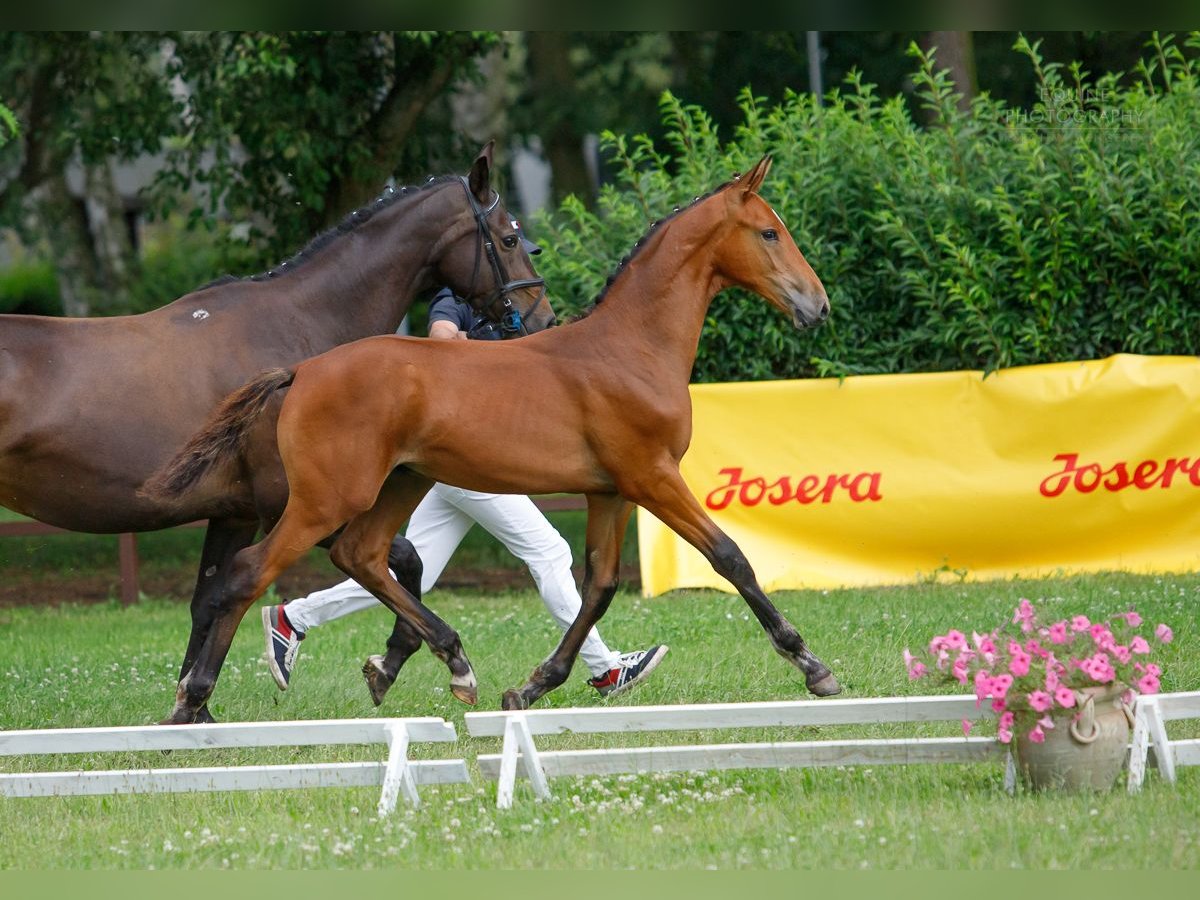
(397, 776)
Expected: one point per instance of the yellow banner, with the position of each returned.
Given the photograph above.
(891, 479)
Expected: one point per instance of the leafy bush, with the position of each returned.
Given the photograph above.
(29, 288)
(990, 237)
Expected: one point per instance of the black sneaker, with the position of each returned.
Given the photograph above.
(629, 671)
(283, 644)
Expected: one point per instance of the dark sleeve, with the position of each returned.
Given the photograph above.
(445, 308)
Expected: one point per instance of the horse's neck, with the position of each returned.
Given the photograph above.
(363, 282)
(652, 315)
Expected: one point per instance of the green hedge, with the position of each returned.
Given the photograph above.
(979, 239)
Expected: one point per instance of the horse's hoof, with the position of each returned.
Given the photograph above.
(378, 682)
(204, 717)
(513, 700)
(465, 688)
(825, 686)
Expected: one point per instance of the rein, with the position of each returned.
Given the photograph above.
(509, 317)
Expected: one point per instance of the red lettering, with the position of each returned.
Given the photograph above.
(1145, 475)
(781, 492)
(744, 493)
(1063, 477)
(872, 491)
(1119, 477)
(805, 488)
(1142, 474)
(721, 497)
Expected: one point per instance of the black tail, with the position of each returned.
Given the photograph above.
(223, 436)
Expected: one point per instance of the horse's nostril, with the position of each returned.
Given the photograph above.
(824, 310)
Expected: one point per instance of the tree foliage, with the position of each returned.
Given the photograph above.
(995, 237)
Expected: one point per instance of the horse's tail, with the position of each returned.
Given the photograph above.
(223, 436)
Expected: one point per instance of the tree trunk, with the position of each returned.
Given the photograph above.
(64, 225)
(956, 52)
(116, 262)
(550, 74)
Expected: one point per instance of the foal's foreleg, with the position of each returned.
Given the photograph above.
(608, 517)
(381, 671)
(362, 553)
(667, 497)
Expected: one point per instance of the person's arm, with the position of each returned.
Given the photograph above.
(446, 331)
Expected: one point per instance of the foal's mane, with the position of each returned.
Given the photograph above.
(640, 244)
(351, 222)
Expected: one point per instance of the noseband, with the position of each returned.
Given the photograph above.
(509, 317)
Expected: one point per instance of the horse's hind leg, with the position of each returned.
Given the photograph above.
(381, 671)
(664, 494)
(252, 572)
(608, 517)
(222, 541)
(362, 553)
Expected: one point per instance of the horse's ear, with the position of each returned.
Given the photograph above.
(480, 179)
(752, 180)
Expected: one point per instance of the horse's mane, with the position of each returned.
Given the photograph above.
(640, 244)
(351, 222)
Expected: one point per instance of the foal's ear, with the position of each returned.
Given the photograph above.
(753, 179)
(480, 178)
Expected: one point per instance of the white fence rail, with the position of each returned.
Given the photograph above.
(397, 774)
(1150, 733)
(521, 755)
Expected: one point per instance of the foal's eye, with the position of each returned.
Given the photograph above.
(770, 235)
(509, 241)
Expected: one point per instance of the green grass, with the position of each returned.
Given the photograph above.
(104, 665)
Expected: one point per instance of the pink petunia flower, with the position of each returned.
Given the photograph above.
(1000, 685)
(1122, 653)
(1064, 696)
(1018, 664)
(967, 725)
(1046, 722)
(999, 705)
(1037, 735)
(1154, 669)
(1039, 701)
(1148, 684)
(1133, 619)
(1024, 614)
(1139, 645)
(1080, 623)
(1058, 633)
(1164, 634)
(1004, 735)
(1006, 719)
(916, 670)
(955, 640)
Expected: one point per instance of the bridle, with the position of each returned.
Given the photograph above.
(509, 317)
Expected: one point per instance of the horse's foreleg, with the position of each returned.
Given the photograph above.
(608, 517)
(362, 553)
(668, 498)
(381, 671)
(222, 540)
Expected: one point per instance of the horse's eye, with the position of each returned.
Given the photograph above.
(509, 241)
(770, 235)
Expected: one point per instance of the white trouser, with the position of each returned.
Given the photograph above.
(438, 526)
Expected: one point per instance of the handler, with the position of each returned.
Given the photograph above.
(437, 527)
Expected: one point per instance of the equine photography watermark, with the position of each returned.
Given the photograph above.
(1076, 108)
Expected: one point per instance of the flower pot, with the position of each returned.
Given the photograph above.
(1086, 748)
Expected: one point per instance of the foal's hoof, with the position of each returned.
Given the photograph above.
(378, 681)
(465, 688)
(204, 717)
(513, 700)
(824, 685)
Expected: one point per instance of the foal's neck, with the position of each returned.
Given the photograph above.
(653, 313)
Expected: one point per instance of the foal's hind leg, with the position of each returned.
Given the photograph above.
(608, 517)
(361, 552)
(664, 494)
(381, 671)
(222, 540)
(252, 572)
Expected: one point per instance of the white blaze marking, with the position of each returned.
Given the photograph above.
(200, 314)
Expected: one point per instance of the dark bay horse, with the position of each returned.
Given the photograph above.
(598, 407)
(90, 408)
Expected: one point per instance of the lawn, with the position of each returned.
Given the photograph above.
(99, 664)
